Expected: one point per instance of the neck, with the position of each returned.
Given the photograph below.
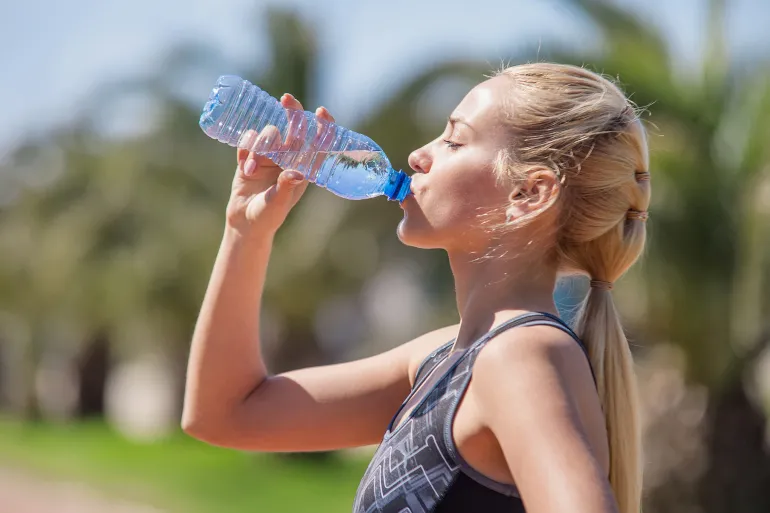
(493, 290)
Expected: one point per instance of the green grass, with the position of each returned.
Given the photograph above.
(180, 474)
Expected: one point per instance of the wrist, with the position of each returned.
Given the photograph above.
(251, 236)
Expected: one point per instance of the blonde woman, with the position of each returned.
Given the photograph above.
(541, 171)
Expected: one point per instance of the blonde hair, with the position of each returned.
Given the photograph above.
(580, 125)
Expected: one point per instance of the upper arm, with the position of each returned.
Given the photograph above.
(328, 407)
(528, 383)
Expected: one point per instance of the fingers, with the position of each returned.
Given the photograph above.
(290, 102)
(244, 145)
(322, 113)
(298, 125)
(322, 140)
(249, 139)
(326, 130)
(269, 139)
(322, 133)
(283, 193)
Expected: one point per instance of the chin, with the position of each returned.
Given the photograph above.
(423, 237)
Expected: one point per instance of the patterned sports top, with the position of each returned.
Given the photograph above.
(417, 468)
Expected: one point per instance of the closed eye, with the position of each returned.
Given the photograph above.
(451, 145)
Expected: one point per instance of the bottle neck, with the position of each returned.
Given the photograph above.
(398, 186)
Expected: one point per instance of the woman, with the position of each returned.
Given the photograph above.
(541, 171)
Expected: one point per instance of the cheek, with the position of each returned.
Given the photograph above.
(461, 196)
(447, 215)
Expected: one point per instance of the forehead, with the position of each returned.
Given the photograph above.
(483, 105)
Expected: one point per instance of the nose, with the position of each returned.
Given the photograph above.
(420, 161)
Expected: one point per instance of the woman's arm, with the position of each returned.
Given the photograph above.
(229, 399)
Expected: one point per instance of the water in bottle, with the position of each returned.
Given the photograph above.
(349, 164)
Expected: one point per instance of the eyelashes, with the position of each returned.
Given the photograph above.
(451, 145)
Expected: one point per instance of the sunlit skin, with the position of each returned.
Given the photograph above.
(531, 415)
(455, 190)
(454, 177)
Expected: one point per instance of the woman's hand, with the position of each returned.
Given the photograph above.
(263, 194)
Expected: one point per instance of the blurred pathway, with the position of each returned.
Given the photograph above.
(22, 492)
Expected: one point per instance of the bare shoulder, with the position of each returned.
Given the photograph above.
(535, 364)
(419, 348)
(533, 349)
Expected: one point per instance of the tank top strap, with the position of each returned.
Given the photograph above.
(546, 319)
(431, 361)
(552, 320)
(519, 320)
(531, 318)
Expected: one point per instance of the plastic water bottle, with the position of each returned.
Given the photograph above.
(347, 163)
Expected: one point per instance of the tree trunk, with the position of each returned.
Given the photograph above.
(30, 406)
(92, 368)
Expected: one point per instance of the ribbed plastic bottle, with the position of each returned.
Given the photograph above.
(348, 164)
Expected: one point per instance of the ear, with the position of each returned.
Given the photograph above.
(536, 192)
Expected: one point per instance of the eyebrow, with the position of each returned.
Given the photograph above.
(454, 120)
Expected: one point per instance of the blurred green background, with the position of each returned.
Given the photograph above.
(111, 210)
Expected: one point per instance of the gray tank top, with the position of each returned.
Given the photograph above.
(417, 468)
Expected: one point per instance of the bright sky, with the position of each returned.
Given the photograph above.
(56, 52)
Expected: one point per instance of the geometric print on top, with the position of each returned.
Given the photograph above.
(417, 463)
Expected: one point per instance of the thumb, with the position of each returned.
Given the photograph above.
(287, 182)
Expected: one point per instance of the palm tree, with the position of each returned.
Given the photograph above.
(131, 226)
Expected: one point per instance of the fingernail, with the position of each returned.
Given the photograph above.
(294, 176)
(249, 167)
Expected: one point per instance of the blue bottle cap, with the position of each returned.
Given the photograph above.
(398, 186)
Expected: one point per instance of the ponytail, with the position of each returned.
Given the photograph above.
(598, 325)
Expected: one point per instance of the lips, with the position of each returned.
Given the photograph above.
(413, 185)
(412, 195)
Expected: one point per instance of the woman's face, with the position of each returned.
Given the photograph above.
(454, 181)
